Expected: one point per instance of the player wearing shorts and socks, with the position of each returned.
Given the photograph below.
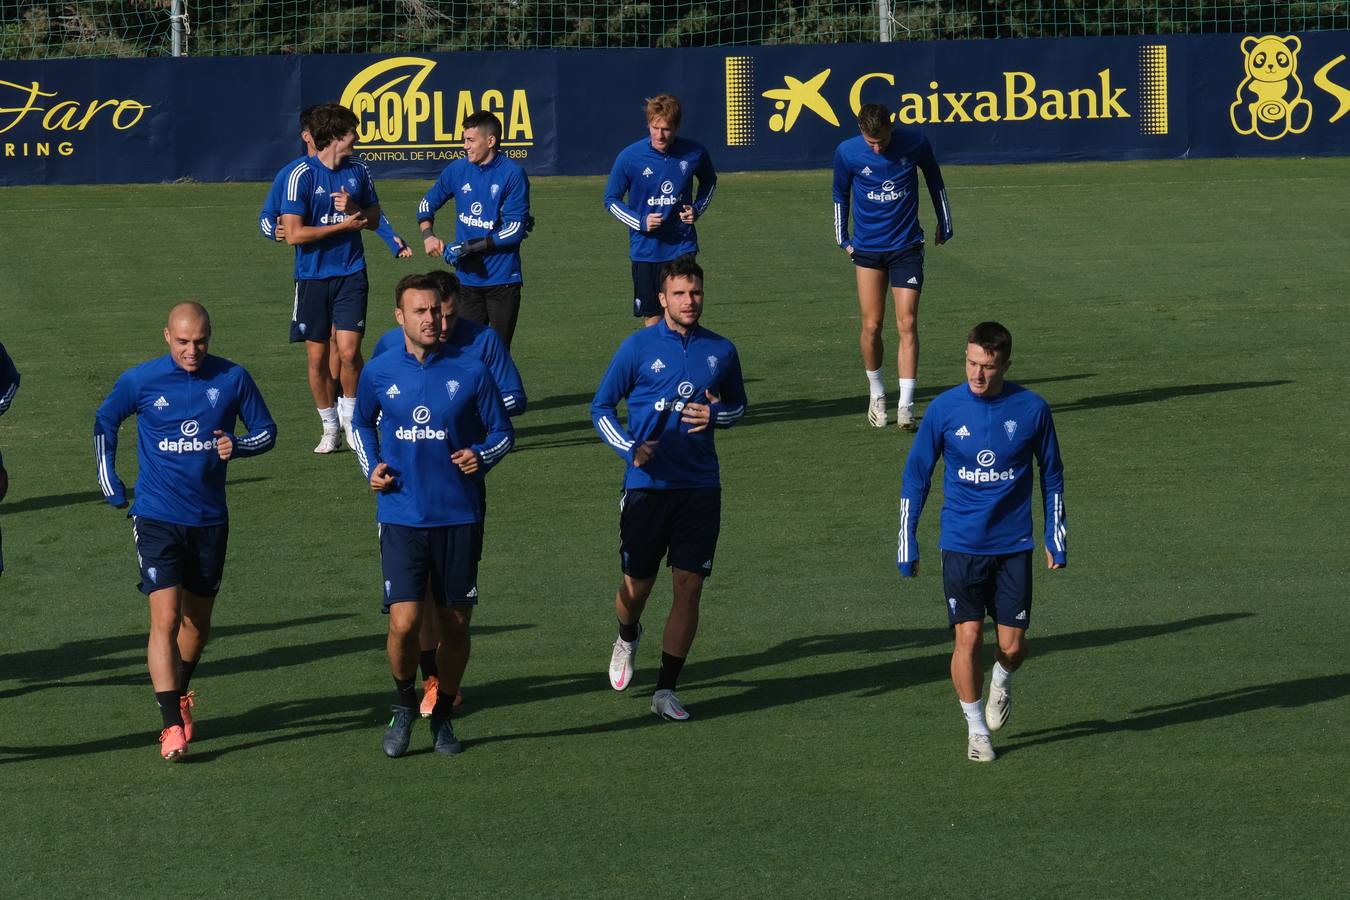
(680, 382)
(441, 427)
(986, 431)
(874, 176)
(187, 405)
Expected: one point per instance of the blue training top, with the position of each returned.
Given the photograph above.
(656, 182)
(425, 412)
(308, 187)
(658, 371)
(182, 477)
(481, 342)
(491, 201)
(986, 447)
(882, 189)
(271, 212)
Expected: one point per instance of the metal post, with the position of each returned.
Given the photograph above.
(884, 19)
(176, 17)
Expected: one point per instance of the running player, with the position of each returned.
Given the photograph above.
(986, 432)
(492, 217)
(187, 404)
(441, 427)
(874, 173)
(680, 381)
(656, 176)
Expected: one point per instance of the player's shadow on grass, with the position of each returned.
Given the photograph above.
(1155, 395)
(271, 723)
(71, 664)
(558, 401)
(77, 498)
(1277, 695)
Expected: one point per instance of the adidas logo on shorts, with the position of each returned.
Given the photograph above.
(1022, 616)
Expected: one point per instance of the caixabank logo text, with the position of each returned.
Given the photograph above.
(1271, 102)
(38, 120)
(408, 109)
(1137, 92)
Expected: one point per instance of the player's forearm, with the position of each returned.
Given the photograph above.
(514, 401)
(105, 460)
(310, 234)
(633, 220)
(7, 392)
(374, 215)
(257, 441)
(367, 449)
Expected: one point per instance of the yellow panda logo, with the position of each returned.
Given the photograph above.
(1270, 100)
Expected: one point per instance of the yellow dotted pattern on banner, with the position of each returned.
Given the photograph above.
(740, 101)
(1153, 89)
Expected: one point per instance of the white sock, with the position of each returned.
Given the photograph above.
(975, 716)
(1002, 677)
(907, 386)
(330, 419)
(346, 407)
(875, 383)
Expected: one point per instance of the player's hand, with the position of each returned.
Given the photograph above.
(653, 221)
(343, 202)
(848, 248)
(467, 460)
(279, 231)
(1050, 561)
(698, 416)
(913, 570)
(644, 453)
(224, 444)
(404, 251)
(940, 240)
(381, 479)
(433, 245)
(687, 214)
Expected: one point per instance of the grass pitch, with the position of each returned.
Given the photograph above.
(1180, 726)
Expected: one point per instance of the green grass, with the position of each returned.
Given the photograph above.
(1180, 726)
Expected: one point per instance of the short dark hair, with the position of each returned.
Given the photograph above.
(681, 267)
(446, 282)
(307, 119)
(993, 338)
(485, 121)
(874, 120)
(331, 121)
(416, 282)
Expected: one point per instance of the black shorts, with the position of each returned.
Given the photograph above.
(443, 559)
(495, 305)
(646, 287)
(328, 304)
(187, 556)
(905, 266)
(681, 525)
(998, 586)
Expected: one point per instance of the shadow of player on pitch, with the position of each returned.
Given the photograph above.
(1158, 394)
(1241, 701)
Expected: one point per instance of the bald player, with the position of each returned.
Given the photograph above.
(187, 405)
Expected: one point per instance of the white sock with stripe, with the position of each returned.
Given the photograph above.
(876, 385)
(975, 716)
(907, 386)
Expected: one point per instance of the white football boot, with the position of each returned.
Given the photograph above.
(329, 443)
(999, 707)
(979, 748)
(876, 412)
(621, 662)
(666, 705)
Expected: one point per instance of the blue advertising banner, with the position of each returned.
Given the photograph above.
(568, 112)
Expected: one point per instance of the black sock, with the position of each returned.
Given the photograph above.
(187, 670)
(629, 632)
(429, 664)
(168, 708)
(670, 671)
(445, 705)
(403, 690)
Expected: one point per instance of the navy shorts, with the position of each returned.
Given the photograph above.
(681, 525)
(495, 305)
(328, 304)
(187, 556)
(998, 586)
(646, 287)
(443, 559)
(905, 266)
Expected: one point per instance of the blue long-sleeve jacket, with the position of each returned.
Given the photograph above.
(882, 190)
(425, 412)
(986, 446)
(644, 180)
(479, 341)
(181, 477)
(491, 201)
(271, 211)
(308, 188)
(658, 370)
(9, 380)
